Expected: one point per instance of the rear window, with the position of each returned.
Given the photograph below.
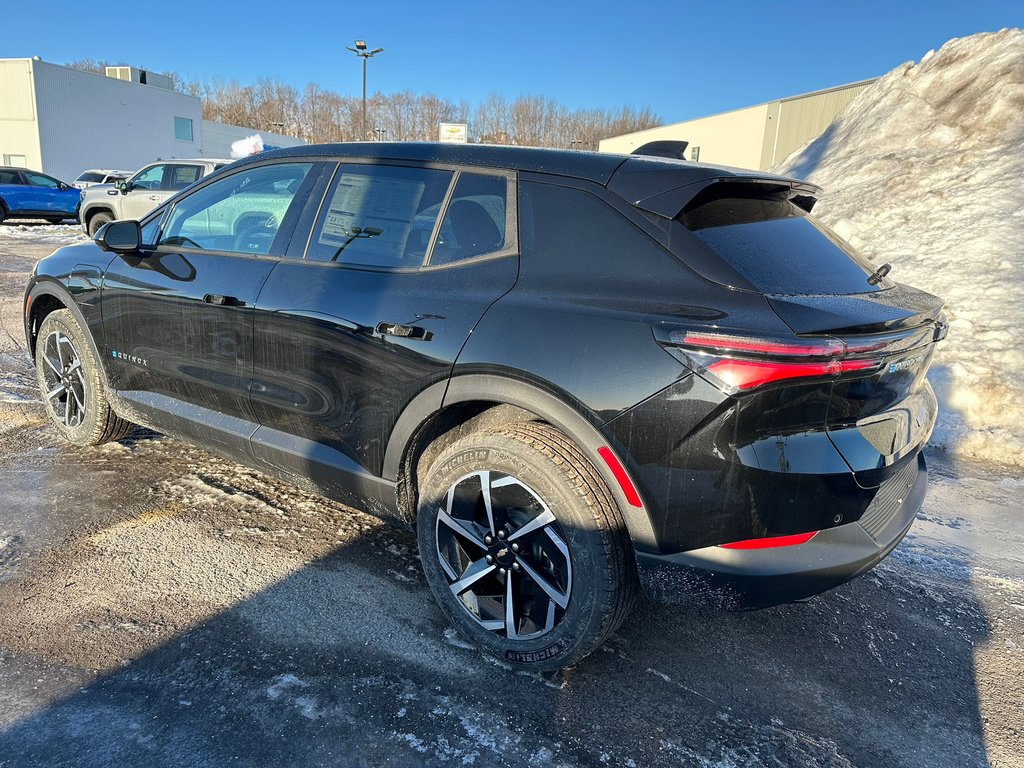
(779, 248)
(90, 176)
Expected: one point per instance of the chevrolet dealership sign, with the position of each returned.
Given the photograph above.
(453, 132)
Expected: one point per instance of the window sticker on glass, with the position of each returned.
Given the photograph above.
(364, 207)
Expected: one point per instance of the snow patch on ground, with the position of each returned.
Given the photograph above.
(55, 234)
(923, 170)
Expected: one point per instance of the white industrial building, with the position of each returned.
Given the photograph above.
(62, 121)
(757, 137)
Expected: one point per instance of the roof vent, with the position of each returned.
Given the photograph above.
(670, 149)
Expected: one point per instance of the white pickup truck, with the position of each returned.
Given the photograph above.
(135, 197)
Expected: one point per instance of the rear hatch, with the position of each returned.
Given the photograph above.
(876, 335)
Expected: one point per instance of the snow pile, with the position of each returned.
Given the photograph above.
(925, 169)
(250, 145)
(52, 234)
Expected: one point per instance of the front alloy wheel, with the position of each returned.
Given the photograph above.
(64, 379)
(71, 385)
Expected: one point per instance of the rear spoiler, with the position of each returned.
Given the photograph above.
(675, 201)
(673, 150)
(666, 188)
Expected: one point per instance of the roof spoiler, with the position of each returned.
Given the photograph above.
(671, 149)
(669, 204)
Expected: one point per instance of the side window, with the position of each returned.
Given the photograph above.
(475, 222)
(180, 176)
(151, 178)
(10, 177)
(38, 180)
(150, 231)
(379, 215)
(240, 213)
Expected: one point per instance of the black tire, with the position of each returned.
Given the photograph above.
(68, 375)
(97, 220)
(600, 584)
(3, 212)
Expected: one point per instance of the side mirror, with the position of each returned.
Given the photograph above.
(124, 185)
(62, 186)
(120, 237)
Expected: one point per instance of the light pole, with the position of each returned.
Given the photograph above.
(360, 50)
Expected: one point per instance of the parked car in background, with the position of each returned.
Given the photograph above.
(134, 197)
(98, 176)
(26, 194)
(571, 373)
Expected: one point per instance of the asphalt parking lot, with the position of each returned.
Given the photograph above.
(160, 606)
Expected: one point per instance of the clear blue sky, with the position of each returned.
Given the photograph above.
(683, 59)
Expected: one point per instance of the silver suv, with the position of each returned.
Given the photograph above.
(135, 197)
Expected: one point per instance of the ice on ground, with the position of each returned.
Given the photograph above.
(55, 234)
(924, 170)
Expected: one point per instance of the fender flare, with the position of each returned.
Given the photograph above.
(59, 292)
(89, 210)
(505, 390)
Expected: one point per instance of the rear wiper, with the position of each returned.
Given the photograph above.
(879, 273)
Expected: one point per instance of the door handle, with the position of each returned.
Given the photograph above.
(154, 197)
(222, 301)
(403, 331)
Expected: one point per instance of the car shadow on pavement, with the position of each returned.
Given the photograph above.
(192, 633)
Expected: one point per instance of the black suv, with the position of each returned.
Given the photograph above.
(572, 373)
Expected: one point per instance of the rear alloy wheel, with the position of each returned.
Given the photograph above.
(523, 547)
(69, 381)
(98, 220)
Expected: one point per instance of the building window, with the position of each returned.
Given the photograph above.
(694, 154)
(183, 129)
(18, 160)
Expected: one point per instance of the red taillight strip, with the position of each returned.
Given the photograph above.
(620, 475)
(823, 348)
(772, 541)
(745, 374)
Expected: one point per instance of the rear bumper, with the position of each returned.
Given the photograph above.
(757, 578)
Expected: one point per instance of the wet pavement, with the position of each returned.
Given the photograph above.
(160, 606)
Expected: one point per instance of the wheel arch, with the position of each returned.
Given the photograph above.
(46, 297)
(472, 402)
(86, 215)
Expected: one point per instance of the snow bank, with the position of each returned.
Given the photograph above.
(55, 234)
(925, 169)
(250, 145)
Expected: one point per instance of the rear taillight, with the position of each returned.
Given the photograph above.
(740, 363)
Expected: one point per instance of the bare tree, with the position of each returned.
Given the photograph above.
(319, 115)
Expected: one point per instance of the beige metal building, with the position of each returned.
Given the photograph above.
(755, 137)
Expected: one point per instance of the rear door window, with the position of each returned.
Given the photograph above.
(180, 176)
(10, 177)
(379, 216)
(475, 221)
(776, 246)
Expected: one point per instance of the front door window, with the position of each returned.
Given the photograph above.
(240, 213)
